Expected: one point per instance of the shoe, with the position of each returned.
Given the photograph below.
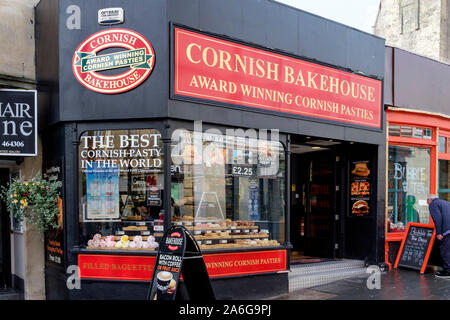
(443, 274)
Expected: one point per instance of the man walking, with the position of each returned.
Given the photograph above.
(440, 212)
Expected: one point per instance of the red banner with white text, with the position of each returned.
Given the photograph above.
(124, 267)
(214, 69)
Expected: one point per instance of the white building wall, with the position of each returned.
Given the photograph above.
(17, 37)
(17, 70)
(411, 25)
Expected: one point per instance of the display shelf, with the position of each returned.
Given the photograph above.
(241, 245)
(227, 234)
(142, 222)
(197, 231)
(210, 250)
(231, 236)
(121, 249)
(144, 236)
(138, 233)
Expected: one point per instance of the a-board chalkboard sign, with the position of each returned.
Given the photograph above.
(179, 255)
(416, 246)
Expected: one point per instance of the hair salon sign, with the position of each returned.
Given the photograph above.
(18, 123)
(133, 65)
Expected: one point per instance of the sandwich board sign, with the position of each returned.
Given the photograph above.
(416, 246)
(179, 256)
(18, 122)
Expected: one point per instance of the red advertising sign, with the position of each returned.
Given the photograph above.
(240, 263)
(214, 69)
(116, 267)
(122, 267)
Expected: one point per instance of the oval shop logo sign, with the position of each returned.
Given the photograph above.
(137, 61)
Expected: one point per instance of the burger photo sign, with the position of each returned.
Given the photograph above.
(360, 189)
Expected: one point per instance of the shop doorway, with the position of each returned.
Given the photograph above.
(315, 203)
(5, 248)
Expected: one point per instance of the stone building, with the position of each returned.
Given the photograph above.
(417, 73)
(22, 247)
(418, 26)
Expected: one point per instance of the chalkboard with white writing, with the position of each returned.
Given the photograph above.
(415, 248)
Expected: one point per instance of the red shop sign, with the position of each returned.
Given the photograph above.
(116, 267)
(214, 69)
(121, 267)
(240, 263)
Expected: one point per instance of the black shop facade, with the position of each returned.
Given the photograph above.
(162, 113)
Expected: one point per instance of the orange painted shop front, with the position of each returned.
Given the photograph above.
(418, 134)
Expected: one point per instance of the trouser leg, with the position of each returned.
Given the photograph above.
(445, 252)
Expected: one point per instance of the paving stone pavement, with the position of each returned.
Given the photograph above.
(394, 285)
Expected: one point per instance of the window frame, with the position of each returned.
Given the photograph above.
(74, 221)
(283, 231)
(387, 168)
(443, 156)
(412, 142)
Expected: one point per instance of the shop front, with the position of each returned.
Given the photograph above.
(177, 117)
(418, 131)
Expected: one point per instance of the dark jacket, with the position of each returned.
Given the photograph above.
(440, 212)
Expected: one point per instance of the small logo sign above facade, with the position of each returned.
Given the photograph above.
(18, 122)
(137, 61)
(110, 16)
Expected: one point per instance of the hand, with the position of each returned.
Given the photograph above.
(439, 237)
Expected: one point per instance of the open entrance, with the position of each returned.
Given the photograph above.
(315, 201)
(5, 247)
(333, 211)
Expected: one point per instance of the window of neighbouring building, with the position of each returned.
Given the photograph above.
(409, 184)
(444, 179)
(442, 144)
(410, 132)
(394, 130)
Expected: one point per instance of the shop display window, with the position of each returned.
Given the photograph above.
(444, 179)
(409, 184)
(121, 183)
(229, 191)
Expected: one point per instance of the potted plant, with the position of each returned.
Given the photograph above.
(33, 201)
